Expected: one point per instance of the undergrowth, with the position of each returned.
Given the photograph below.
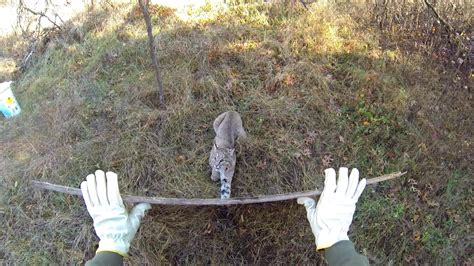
(314, 89)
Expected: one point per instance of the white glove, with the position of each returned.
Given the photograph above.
(114, 226)
(331, 218)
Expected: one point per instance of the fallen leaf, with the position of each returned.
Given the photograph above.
(307, 152)
(327, 160)
(417, 236)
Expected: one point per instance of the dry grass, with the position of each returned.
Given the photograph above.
(313, 90)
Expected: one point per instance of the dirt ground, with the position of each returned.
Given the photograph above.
(327, 86)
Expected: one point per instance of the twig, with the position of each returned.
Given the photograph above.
(204, 202)
(304, 4)
(151, 43)
(449, 29)
(41, 14)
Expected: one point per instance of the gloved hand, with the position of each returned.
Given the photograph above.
(331, 218)
(113, 224)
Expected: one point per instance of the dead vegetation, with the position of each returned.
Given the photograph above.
(314, 89)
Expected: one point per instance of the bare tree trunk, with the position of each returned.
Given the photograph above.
(144, 7)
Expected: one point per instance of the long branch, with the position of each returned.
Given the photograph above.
(204, 202)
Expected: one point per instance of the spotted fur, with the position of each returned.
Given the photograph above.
(228, 127)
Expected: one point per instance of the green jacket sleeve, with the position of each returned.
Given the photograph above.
(106, 258)
(344, 253)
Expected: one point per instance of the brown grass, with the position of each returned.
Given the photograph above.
(313, 89)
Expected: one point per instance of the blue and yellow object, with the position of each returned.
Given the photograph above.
(8, 104)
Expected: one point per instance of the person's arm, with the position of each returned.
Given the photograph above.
(331, 218)
(105, 258)
(344, 253)
(114, 226)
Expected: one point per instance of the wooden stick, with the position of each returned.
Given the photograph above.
(207, 202)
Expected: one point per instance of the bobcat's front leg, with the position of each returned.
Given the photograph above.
(215, 175)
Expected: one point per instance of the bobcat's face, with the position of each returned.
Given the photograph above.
(223, 160)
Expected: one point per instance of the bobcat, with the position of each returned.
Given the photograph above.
(228, 127)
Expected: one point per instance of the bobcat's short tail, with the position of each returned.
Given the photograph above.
(225, 188)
